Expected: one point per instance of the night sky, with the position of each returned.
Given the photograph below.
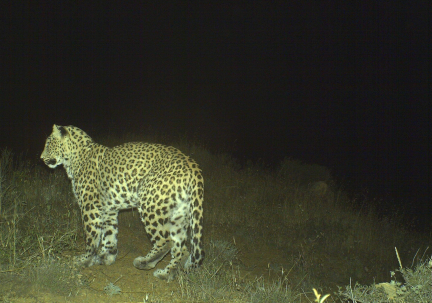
(340, 84)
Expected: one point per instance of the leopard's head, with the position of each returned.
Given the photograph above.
(56, 150)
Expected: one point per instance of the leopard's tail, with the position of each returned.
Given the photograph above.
(196, 220)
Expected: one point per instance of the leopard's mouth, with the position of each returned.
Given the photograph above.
(50, 162)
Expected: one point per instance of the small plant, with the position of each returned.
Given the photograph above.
(318, 298)
(112, 289)
(415, 287)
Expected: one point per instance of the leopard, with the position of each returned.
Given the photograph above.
(164, 185)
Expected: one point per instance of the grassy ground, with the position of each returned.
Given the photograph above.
(271, 235)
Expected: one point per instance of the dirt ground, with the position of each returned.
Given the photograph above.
(140, 285)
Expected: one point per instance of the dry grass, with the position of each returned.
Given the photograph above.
(296, 209)
(34, 222)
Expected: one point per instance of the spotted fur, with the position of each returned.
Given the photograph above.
(165, 186)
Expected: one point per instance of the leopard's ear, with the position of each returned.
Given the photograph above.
(60, 130)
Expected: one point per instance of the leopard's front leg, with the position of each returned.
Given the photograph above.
(108, 247)
(92, 221)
